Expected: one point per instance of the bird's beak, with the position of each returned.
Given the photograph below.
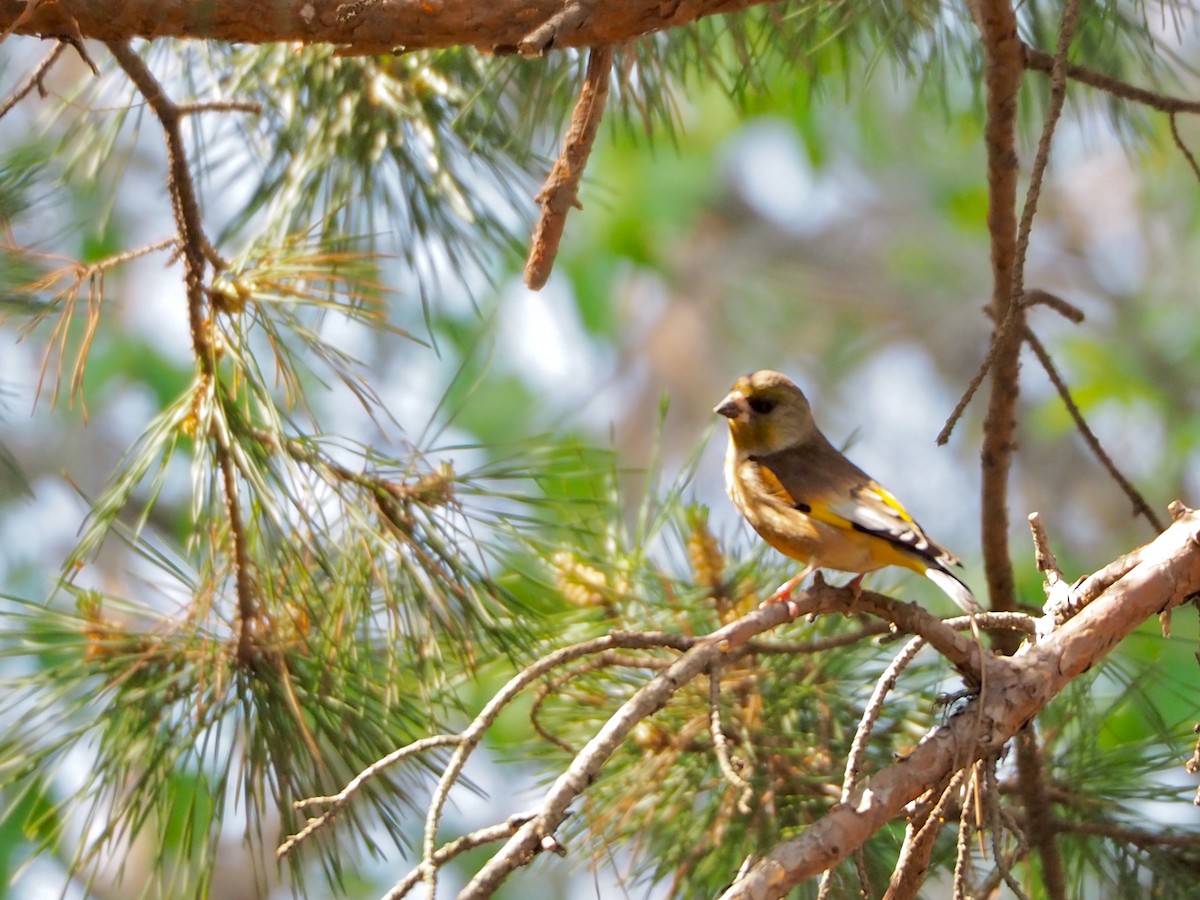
(733, 406)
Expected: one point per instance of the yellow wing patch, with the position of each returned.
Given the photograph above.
(889, 500)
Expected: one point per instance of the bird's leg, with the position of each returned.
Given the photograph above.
(854, 586)
(783, 593)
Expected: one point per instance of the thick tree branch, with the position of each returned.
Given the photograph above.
(366, 26)
(1019, 687)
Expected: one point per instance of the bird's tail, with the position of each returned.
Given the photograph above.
(954, 588)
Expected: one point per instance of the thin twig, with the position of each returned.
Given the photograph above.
(1031, 298)
(958, 649)
(1047, 562)
(858, 747)
(1040, 61)
(1039, 297)
(865, 890)
(818, 645)
(473, 734)
(962, 857)
(335, 802)
(967, 395)
(197, 252)
(1041, 831)
(607, 659)
(995, 621)
(915, 853)
(561, 190)
(883, 686)
(1058, 95)
(1138, 837)
(447, 852)
(721, 743)
(206, 106)
(1140, 506)
(1183, 148)
(995, 816)
(33, 81)
(1058, 591)
(582, 771)
(481, 722)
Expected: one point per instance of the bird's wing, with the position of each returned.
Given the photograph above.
(823, 484)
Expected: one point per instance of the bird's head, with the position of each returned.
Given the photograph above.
(767, 412)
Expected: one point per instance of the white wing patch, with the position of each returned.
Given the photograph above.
(877, 512)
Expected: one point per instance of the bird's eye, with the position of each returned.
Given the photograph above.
(762, 405)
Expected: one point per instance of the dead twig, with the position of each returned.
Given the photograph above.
(479, 838)
(1140, 506)
(561, 191)
(33, 81)
(1040, 61)
(725, 760)
(917, 849)
(858, 747)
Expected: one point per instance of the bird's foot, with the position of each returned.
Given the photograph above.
(783, 593)
(854, 586)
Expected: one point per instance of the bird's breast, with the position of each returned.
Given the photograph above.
(792, 532)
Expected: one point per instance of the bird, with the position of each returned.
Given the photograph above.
(811, 503)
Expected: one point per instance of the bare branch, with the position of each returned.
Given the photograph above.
(524, 845)
(605, 660)
(488, 835)
(206, 106)
(1040, 61)
(967, 395)
(1138, 837)
(858, 747)
(1039, 297)
(721, 742)
(1058, 95)
(335, 802)
(1046, 560)
(962, 861)
(33, 81)
(1183, 148)
(1033, 297)
(816, 645)
(470, 738)
(919, 836)
(883, 687)
(1041, 833)
(1140, 506)
(997, 815)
